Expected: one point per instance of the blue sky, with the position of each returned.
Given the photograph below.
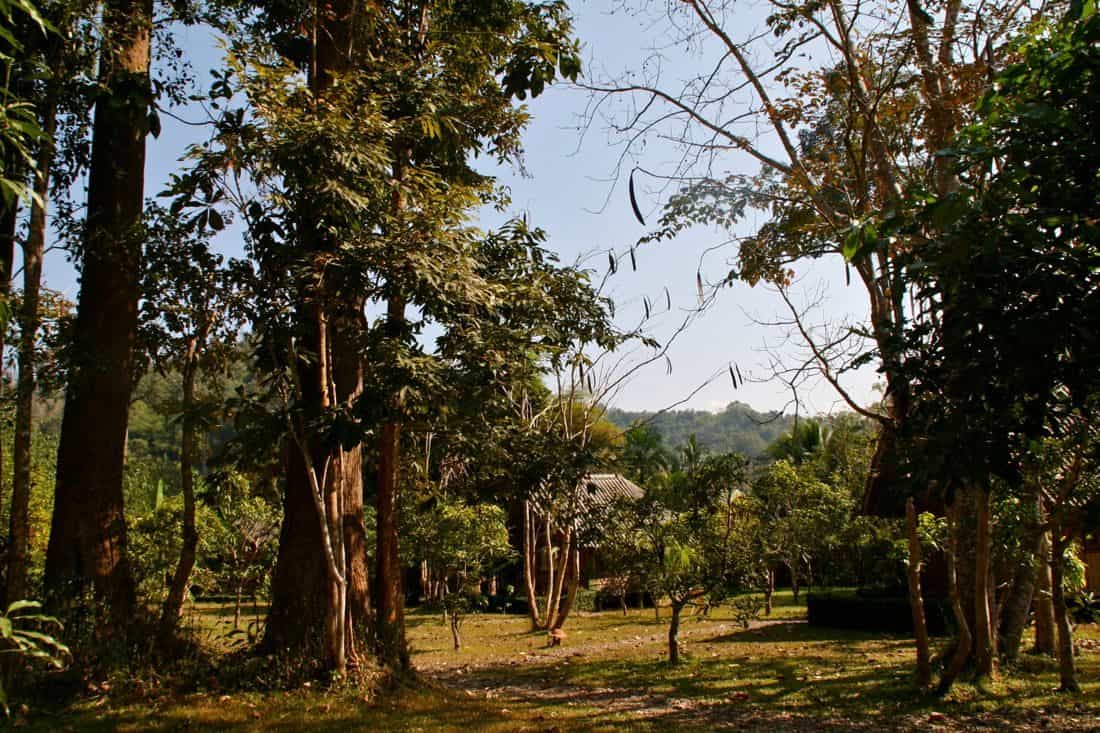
(571, 192)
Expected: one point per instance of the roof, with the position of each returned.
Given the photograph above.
(609, 488)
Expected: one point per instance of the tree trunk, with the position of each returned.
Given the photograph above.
(548, 535)
(173, 604)
(1044, 600)
(455, 621)
(572, 585)
(769, 591)
(1066, 669)
(301, 591)
(88, 531)
(20, 529)
(983, 622)
(1014, 610)
(348, 377)
(295, 616)
(793, 568)
(310, 602)
(392, 649)
(916, 599)
(553, 602)
(9, 221)
(530, 563)
(674, 634)
(964, 642)
(237, 611)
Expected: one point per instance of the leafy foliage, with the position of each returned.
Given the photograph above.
(27, 635)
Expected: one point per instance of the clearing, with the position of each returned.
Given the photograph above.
(611, 674)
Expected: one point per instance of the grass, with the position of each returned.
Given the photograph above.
(611, 674)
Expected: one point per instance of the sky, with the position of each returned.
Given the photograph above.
(570, 189)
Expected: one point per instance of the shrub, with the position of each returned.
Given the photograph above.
(1084, 607)
(891, 613)
(746, 609)
(587, 600)
(25, 635)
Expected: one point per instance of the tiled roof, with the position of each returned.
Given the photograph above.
(601, 489)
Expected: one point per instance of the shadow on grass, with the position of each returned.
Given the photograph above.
(798, 630)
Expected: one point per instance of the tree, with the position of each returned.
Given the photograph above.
(845, 144)
(44, 56)
(88, 532)
(800, 518)
(421, 88)
(241, 543)
(1003, 271)
(460, 544)
(684, 546)
(190, 322)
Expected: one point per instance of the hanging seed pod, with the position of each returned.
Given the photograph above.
(699, 286)
(634, 200)
(633, 261)
(611, 263)
(733, 378)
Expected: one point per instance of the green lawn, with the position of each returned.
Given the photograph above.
(610, 674)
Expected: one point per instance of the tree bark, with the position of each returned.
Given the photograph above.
(983, 622)
(295, 617)
(553, 601)
(1044, 600)
(674, 634)
(348, 377)
(315, 597)
(1014, 610)
(9, 221)
(29, 317)
(181, 579)
(963, 642)
(455, 621)
(392, 650)
(530, 560)
(916, 599)
(572, 585)
(1067, 672)
(769, 591)
(88, 532)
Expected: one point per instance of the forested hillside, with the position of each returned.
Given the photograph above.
(738, 428)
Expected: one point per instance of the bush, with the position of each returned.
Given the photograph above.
(587, 600)
(746, 608)
(1084, 607)
(26, 635)
(878, 612)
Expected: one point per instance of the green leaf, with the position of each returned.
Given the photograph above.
(23, 605)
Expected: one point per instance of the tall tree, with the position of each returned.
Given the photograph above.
(29, 320)
(844, 144)
(88, 531)
(1007, 277)
(363, 190)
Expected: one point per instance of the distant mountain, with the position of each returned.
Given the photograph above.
(737, 428)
